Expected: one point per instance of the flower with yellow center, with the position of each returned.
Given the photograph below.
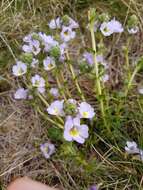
(49, 63)
(86, 111)
(74, 131)
(67, 34)
(56, 108)
(19, 69)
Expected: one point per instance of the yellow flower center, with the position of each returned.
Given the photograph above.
(37, 83)
(74, 132)
(66, 33)
(56, 110)
(85, 114)
(106, 29)
(50, 66)
(46, 149)
(20, 71)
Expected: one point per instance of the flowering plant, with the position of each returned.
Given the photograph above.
(51, 75)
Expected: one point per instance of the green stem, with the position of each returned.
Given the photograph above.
(96, 71)
(63, 79)
(127, 58)
(60, 87)
(46, 103)
(43, 99)
(131, 79)
(50, 120)
(74, 78)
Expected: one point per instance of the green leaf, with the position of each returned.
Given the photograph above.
(55, 133)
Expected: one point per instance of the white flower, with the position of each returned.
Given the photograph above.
(113, 26)
(74, 131)
(67, 34)
(106, 29)
(47, 149)
(86, 111)
(131, 147)
(19, 69)
(48, 41)
(49, 63)
(32, 47)
(54, 92)
(133, 30)
(55, 23)
(21, 93)
(140, 90)
(39, 83)
(56, 108)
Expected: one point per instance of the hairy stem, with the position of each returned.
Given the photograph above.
(131, 79)
(96, 71)
(46, 103)
(60, 87)
(74, 78)
(49, 119)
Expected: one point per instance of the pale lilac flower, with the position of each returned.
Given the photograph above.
(140, 90)
(73, 131)
(19, 69)
(34, 63)
(56, 108)
(21, 93)
(113, 26)
(32, 47)
(49, 63)
(72, 101)
(47, 149)
(55, 23)
(93, 187)
(28, 38)
(131, 147)
(116, 26)
(54, 92)
(133, 30)
(48, 41)
(67, 34)
(38, 82)
(106, 29)
(73, 24)
(88, 58)
(105, 78)
(86, 110)
(62, 47)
